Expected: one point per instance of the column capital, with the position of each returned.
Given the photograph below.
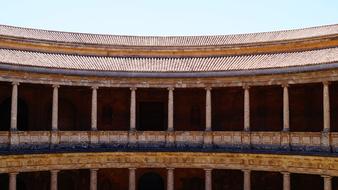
(326, 82)
(93, 169)
(285, 85)
(133, 88)
(94, 87)
(55, 85)
(326, 176)
(246, 86)
(54, 171)
(208, 169)
(16, 83)
(132, 168)
(170, 168)
(285, 173)
(13, 173)
(171, 88)
(208, 88)
(246, 170)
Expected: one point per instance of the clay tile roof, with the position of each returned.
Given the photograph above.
(171, 65)
(184, 41)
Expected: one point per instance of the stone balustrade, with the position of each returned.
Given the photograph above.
(309, 141)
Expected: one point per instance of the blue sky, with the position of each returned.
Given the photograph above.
(170, 17)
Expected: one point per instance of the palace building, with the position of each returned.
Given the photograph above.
(252, 111)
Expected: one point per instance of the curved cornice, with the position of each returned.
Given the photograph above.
(172, 46)
(322, 165)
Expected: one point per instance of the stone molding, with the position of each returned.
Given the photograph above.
(321, 165)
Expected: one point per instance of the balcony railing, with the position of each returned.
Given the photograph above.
(180, 140)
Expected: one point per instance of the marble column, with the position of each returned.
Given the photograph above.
(14, 106)
(55, 107)
(208, 179)
(54, 180)
(171, 109)
(170, 178)
(327, 182)
(94, 108)
(12, 181)
(326, 107)
(286, 180)
(133, 109)
(93, 179)
(247, 180)
(246, 108)
(208, 109)
(132, 184)
(286, 114)
(325, 139)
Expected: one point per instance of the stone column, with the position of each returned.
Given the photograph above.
(327, 182)
(54, 180)
(170, 179)
(208, 109)
(93, 179)
(246, 108)
(133, 109)
(326, 117)
(171, 109)
(55, 107)
(132, 185)
(12, 181)
(14, 107)
(286, 114)
(285, 135)
(208, 179)
(94, 108)
(286, 180)
(326, 107)
(247, 183)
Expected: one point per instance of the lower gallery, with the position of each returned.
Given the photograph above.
(99, 112)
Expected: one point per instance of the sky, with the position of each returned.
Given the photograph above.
(168, 17)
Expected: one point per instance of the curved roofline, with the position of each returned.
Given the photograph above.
(208, 74)
(167, 41)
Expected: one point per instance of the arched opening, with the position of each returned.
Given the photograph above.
(5, 115)
(151, 181)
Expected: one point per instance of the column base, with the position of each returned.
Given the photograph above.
(170, 139)
(246, 140)
(325, 142)
(14, 141)
(207, 139)
(132, 139)
(285, 141)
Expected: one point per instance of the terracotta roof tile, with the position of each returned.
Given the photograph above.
(123, 64)
(184, 41)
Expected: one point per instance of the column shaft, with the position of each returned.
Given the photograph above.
(170, 179)
(247, 180)
(132, 179)
(326, 107)
(286, 114)
(171, 109)
(94, 108)
(208, 179)
(55, 107)
(133, 109)
(54, 180)
(246, 109)
(327, 182)
(286, 180)
(14, 106)
(208, 109)
(12, 181)
(93, 179)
